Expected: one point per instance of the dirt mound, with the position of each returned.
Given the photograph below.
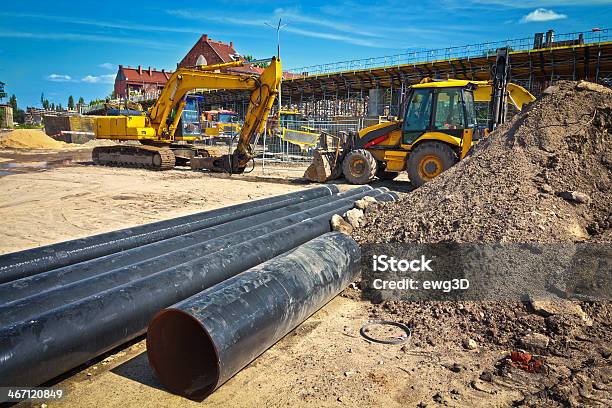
(545, 177)
(29, 139)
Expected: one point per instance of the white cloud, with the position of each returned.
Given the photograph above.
(260, 23)
(84, 37)
(59, 78)
(542, 15)
(109, 66)
(105, 24)
(99, 79)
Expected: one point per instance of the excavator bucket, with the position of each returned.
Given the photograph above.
(327, 160)
(326, 165)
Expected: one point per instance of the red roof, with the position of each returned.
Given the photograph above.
(226, 52)
(149, 75)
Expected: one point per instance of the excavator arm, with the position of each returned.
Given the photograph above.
(263, 93)
(158, 127)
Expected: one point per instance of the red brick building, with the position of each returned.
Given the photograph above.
(146, 83)
(207, 51)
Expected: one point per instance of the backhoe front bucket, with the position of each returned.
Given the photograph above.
(326, 165)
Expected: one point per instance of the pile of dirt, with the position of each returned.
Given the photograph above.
(544, 176)
(29, 139)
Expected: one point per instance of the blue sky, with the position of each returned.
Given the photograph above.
(67, 47)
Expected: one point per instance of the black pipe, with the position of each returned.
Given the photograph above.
(57, 278)
(37, 350)
(201, 342)
(20, 264)
(31, 306)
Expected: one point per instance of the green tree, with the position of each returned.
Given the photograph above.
(52, 106)
(42, 99)
(70, 102)
(19, 116)
(2, 93)
(81, 101)
(13, 102)
(46, 104)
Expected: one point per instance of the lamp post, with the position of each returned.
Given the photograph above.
(278, 28)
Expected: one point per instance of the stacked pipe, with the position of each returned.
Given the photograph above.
(64, 304)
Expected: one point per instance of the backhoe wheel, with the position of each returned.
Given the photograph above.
(428, 160)
(385, 175)
(359, 167)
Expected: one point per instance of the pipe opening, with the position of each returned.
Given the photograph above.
(182, 354)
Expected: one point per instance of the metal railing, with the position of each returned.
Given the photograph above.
(486, 49)
(271, 148)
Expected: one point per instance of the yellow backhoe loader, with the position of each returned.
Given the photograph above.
(438, 129)
(160, 147)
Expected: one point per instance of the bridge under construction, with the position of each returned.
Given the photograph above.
(376, 86)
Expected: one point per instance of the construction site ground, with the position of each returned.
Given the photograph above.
(457, 351)
(53, 195)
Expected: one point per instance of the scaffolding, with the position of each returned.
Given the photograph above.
(347, 88)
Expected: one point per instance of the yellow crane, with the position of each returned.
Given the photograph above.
(160, 148)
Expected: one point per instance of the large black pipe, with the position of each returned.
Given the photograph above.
(31, 306)
(201, 342)
(37, 350)
(17, 265)
(57, 278)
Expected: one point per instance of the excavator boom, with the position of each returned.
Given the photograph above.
(157, 129)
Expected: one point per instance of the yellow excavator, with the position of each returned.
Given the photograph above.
(438, 129)
(160, 148)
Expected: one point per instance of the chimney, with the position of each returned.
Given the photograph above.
(140, 69)
(120, 66)
(150, 71)
(205, 37)
(231, 44)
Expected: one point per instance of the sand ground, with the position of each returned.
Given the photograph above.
(50, 196)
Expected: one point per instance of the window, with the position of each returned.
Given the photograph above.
(419, 111)
(469, 108)
(201, 60)
(449, 109)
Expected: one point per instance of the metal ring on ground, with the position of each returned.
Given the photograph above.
(402, 326)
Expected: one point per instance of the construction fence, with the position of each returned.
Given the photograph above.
(292, 146)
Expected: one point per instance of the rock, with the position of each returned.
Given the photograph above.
(365, 202)
(535, 341)
(590, 86)
(470, 344)
(354, 217)
(348, 373)
(338, 224)
(342, 398)
(575, 196)
(546, 188)
(455, 368)
(486, 376)
(562, 307)
(550, 90)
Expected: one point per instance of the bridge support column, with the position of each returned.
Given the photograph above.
(376, 102)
